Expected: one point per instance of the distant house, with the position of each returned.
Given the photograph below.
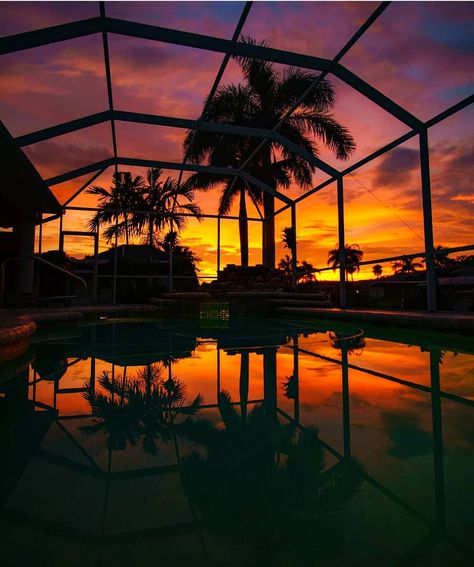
(455, 289)
(130, 252)
(142, 271)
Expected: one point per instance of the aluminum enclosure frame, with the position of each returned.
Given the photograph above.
(106, 25)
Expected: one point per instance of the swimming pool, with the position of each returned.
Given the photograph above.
(238, 442)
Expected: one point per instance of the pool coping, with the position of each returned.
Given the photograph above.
(17, 326)
(437, 321)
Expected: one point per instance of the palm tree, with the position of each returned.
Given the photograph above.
(306, 272)
(285, 264)
(406, 266)
(165, 202)
(115, 205)
(441, 259)
(354, 344)
(129, 410)
(377, 270)
(266, 97)
(353, 255)
(289, 237)
(232, 187)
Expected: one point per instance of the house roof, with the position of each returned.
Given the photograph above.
(22, 188)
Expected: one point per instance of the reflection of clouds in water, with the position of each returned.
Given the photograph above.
(458, 428)
(407, 435)
(356, 401)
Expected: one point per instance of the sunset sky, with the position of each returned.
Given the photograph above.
(420, 54)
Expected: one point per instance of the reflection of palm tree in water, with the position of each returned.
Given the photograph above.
(354, 344)
(262, 485)
(146, 408)
(50, 369)
(290, 387)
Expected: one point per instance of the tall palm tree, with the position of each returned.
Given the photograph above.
(232, 188)
(377, 270)
(265, 97)
(115, 205)
(406, 266)
(353, 255)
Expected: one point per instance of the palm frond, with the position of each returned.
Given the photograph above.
(228, 196)
(229, 415)
(259, 74)
(296, 82)
(325, 127)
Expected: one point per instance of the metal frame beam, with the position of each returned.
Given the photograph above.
(218, 77)
(105, 25)
(225, 171)
(390, 146)
(172, 122)
(427, 220)
(19, 42)
(84, 186)
(157, 214)
(342, 244)
(92, 167)
(108, 77)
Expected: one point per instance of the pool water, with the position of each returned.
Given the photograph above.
(237, 442)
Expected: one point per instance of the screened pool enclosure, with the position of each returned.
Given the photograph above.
(110, 127)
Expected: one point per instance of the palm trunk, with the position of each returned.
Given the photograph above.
(268, 225)
(125, 216)
(269, 230)
(150, 231)
(243, 230)
(244, 384)
(148, 382)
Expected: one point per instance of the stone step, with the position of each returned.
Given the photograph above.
(300, 303)
(163, 302)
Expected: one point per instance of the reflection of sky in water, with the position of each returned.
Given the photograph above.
(390, 433)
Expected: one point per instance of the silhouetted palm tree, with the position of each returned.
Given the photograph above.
(232, 188)
(171, 243)
(288, 237)
(166, 202)
(265, 97)
(377, 270)
(406, 266)
(115, 205)
(305, 272)
(286, 266)
(290, 387)
(441, 258)
(353, 255)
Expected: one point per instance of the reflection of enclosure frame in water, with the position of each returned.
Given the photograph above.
(437, 527)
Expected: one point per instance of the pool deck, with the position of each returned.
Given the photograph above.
(438, 321)
(18, 325)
